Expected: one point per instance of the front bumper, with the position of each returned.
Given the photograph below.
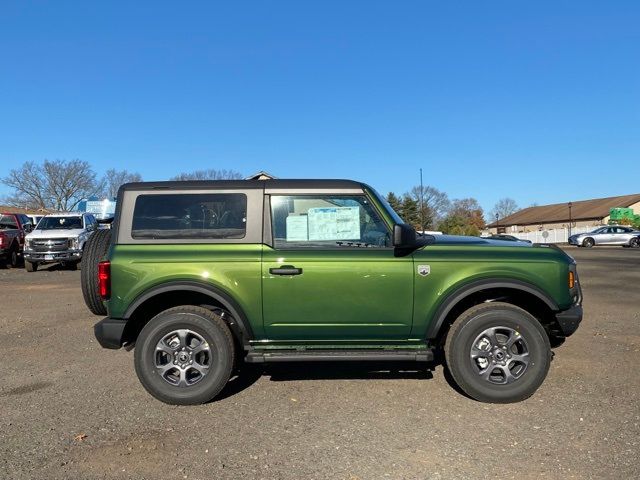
(569, 319)
(575, 241)
(59, 256)
(110, 332)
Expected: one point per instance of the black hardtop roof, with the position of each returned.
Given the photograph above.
(245, 184)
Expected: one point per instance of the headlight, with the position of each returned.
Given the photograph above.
(73, 243)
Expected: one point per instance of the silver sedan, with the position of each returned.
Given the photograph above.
(610, 235)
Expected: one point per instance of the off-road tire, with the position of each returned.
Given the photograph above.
(30, 266)
(206, 324)
(472, 323)
(588, 242)
(95, 249)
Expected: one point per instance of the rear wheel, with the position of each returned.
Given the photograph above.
(184, 355)
(497, 353)
(30, 266)
(588, 242)
(95, 250)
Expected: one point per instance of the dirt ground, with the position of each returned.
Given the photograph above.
(70, 409)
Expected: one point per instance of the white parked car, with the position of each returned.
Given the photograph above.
(58, 237)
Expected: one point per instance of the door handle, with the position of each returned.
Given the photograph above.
(285, 270)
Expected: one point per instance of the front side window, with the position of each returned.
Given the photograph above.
(327, 221)
(190, 216)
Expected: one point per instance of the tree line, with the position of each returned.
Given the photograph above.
(60, 185)
(427, 208)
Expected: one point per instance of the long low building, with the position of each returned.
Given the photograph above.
(581, 213)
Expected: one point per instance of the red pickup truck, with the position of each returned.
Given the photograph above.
(13, 227)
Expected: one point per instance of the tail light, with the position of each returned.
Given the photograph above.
(104, 280)
(572, 279)
(1, 239)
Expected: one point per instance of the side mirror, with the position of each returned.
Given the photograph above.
(404, 236)
(27, 227)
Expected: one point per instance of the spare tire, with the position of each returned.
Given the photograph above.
(95, 251)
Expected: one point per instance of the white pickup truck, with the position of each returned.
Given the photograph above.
(58, 238)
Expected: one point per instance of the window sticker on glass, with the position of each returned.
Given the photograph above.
(297, 228)
(338, 223)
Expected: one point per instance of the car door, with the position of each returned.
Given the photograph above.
(604, 236)
(331, 273)
(621, 235)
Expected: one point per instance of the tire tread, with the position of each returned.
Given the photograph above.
(94, 251)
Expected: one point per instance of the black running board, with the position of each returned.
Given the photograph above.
(339, 356)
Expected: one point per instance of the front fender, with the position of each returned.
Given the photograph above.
(460, 292)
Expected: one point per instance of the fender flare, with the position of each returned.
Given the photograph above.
(227, 301)
(465, 290)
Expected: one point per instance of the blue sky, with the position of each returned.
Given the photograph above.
(539, 101)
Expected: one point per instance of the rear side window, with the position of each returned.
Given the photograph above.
(190, 216)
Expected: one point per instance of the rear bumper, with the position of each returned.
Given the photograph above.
(110, 332)
(569, 320)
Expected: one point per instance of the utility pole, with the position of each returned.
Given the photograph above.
(497, 225)
(421, 203)
(570, 205)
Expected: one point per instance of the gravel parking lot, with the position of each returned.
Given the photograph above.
(73, 410)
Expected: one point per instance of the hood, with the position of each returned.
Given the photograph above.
(56, 233)
(476, 241)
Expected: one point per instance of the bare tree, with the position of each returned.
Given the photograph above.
(53, 184)
(209, 174)
(503, 208)
(113, 179)
(435, 204)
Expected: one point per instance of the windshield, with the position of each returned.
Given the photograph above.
(396, 218)
(65, 223)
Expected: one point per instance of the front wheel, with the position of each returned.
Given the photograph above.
(634, 243)
(184, 355)
(498, 353)
(13, 257)
(588, 242)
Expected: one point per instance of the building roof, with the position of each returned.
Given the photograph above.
(595, 209)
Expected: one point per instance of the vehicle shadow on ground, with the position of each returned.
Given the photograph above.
(54, 267)
(248, 374)
(350, 371)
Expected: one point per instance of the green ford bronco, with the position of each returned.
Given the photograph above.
(201, 276)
